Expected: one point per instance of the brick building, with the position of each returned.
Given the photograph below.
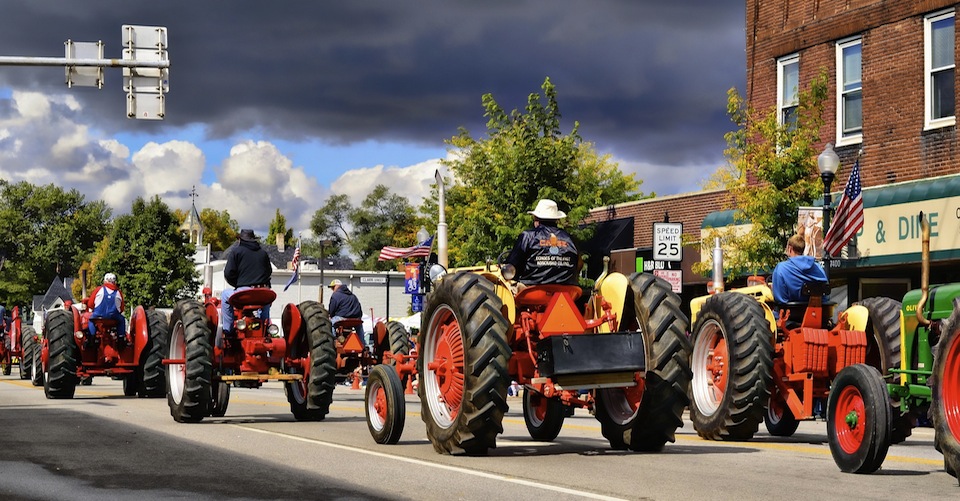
(892, 94)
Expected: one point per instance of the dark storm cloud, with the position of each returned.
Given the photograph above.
(646, 79)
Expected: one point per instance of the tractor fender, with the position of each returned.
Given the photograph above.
(614, 289)
(768, 316)
(139, 332)
(292, 323)
(857, 317)
(503, 290)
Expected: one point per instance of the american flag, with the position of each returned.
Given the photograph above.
(849, 218)
(296, 267)
(420, 250)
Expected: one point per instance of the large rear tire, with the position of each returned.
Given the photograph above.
(858, 419)
(310, 398)
(384, 404)
(543, 416)
(883, 352)
(946, 394)
(732, 366)
(61, 379)
(28, 344)
(646, 417)
(188, 384)
(152, 371)
(463, 365)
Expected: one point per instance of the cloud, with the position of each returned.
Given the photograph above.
(412, 182)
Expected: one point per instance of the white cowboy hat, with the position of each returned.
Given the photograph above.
(547, 209)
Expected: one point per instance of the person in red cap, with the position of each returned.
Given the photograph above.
(248, 266)
(545, 254)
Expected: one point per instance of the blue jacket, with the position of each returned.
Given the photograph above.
(790, 275)
(344, 304)
(544, 255)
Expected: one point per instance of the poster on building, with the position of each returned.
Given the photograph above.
(411, 280)
(810, 227)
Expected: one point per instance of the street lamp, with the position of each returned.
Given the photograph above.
(422, 235)
(827, 162)
(323, 245)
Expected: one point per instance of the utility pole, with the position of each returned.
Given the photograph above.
(145, 63)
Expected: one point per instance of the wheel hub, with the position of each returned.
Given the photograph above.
(850, 430)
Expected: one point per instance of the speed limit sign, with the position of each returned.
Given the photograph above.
(666, 241)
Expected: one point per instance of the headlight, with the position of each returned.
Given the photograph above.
(78, 334)
(241, 324)
(437, 271)
(273, 330)
(508, 271)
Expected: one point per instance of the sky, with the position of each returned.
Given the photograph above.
(279, 105)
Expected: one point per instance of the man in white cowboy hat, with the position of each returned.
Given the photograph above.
(545, 254)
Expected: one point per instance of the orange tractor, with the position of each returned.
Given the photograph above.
(202, 363)
(750, 366)
(622, 352)
(71, 354)
(353, 357)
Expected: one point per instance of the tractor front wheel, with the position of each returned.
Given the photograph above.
(463, 365)
(859, 419)
(946, 394)
(732, 366)
(219, 398)
(384, 403)
(883, 352)
(189, 381)
(779, 419)
(543, 416)
(61, 378)
(131, 382)
(310, 397)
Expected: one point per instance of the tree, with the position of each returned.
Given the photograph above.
(771, 171)
(525, 157)
(219, 229)
(45, 232)
(279, 227)
(383, 218)
(150, 255)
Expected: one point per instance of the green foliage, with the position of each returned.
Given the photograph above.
(152, 258)
(525, 157)
(383, 218)
(771, 171)
(219, 229)
(45, 232)
(279, 227)
(330, 224)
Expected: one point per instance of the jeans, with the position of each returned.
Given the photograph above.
(121, 324)
(226, 311)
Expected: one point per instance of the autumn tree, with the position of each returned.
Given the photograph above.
(152, 258)
(771, 170)
(219, 229)
(45, 232)
(278, 226)
(524, 157)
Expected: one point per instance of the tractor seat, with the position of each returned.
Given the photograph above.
(258, 296)
(797, 309)
(105, 323)
(540, 294)
(349, 322)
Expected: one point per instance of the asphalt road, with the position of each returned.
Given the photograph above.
(101, 445)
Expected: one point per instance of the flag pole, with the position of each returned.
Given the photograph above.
(300, 278)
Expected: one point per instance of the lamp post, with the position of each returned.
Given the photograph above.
(324, 243)
(827, 162)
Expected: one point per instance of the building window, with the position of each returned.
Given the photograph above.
(788, 84)
(849, 92)
(938, 30)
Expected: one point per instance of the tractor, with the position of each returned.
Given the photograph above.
(202, 363)
(751, 365)
(869, 410)
(20, 343)
(621, 352)
(70, 354)
(353, 356)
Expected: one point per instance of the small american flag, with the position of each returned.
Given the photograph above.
(849, 218)
(420, 250)
(296, 267)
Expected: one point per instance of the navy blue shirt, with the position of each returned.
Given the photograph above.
(544, 255)
(790, 275)
(344, 304)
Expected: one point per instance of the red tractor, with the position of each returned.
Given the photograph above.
(353, 357)
(203, 363)
(71, 354)
(21, 343)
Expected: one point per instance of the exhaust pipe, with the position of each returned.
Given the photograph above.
(717, 266)
(924, 269)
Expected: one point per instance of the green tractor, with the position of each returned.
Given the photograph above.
(866, 412)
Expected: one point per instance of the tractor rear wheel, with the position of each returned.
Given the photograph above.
(188, 383)
(36, 360)
(732, 366)
(61, 378)
(646, 417)
(399, 339)
(463, 365)
(384, 403)
(219, 398)
(152, 372)
(543, 416)
(858, 419)
(310, 397)
(28, 343)
(946, 394)
(883, 352)
(7, 361)
(779, 419)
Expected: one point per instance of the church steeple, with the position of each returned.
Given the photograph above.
(192, 224)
